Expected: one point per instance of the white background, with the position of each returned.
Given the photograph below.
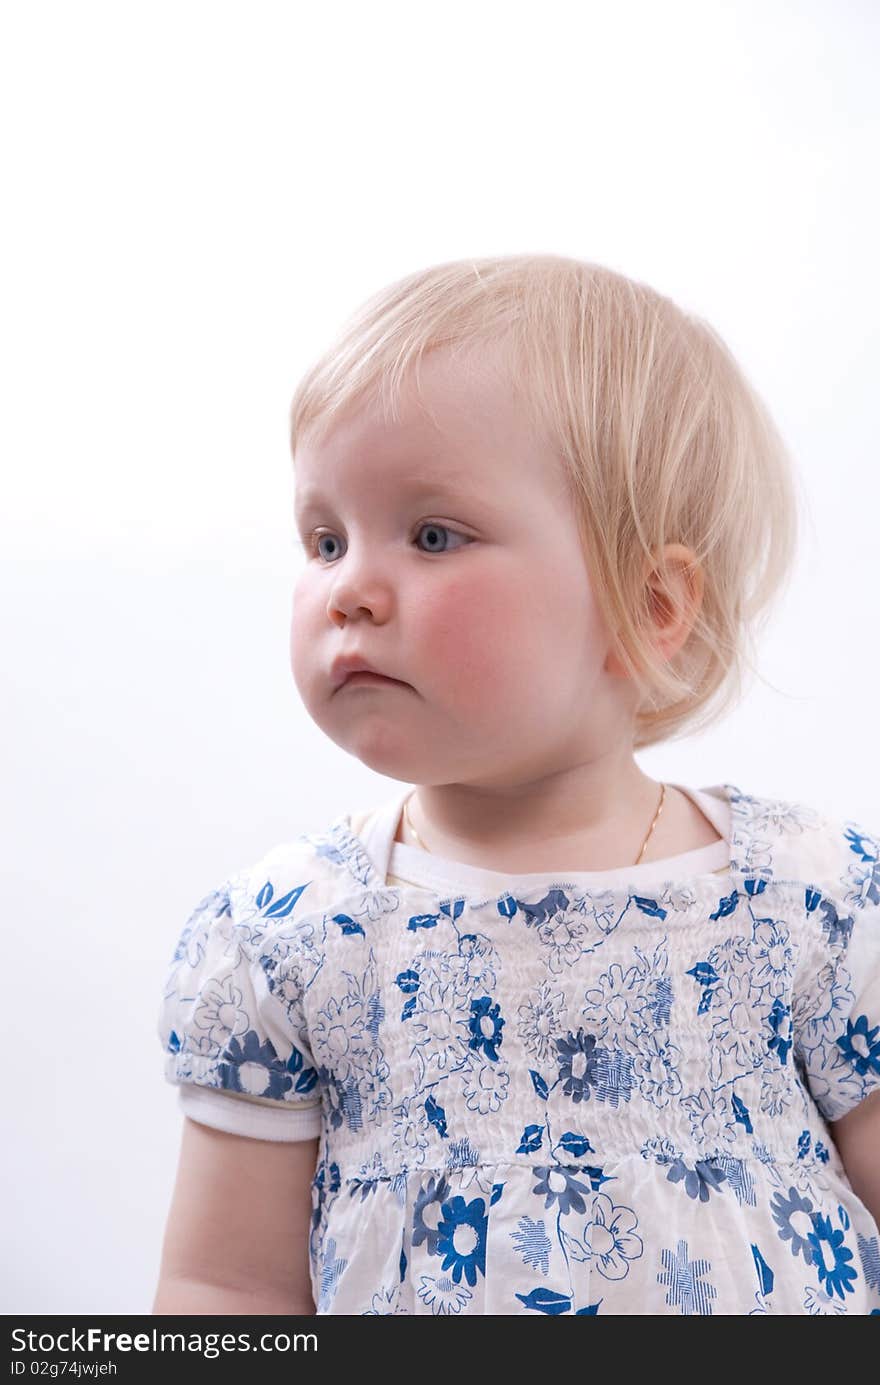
(196, 195)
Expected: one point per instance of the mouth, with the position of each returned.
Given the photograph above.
(371, 680)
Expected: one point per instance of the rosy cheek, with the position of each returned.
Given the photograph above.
(309, 598)
(305, 616)
(463, 628)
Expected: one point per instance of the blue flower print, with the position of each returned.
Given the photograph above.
(608, 1242)
(328, 1178)
(572, 1144)
(533, 1244)
(695, 1043)
(837, 1277)
(548, 1301)
(220, 1012)
(367, 1179)
(254, 1068)
(564, 936)
(837, 927)
(655, 1070)
(867, 848)
(739, 1177)
(615, 1009)
(614, 1075)
(773, 956)
(486, 1025)
(779, 1021)
(734, 1029)
(191, 944)
(869, 1254)
(663, 1151)
(376, 902)
(385, 1303)
(806, 1171)
(834, 1084)
(766, 1280)
(684, 1277)
(197, 1048)
(577, 1064)
(710, 1117)
(705, 1175)
(817, 1303)
(661, 1002)
(792, 1215)
(467, 1164)
(729, 957)
(338, 1034)
(436, 1116)
(326, 1181)
(426, 1213)
(342, 1099)
(776, 1092)
(540, 1019)
(476, 966)
(374, 1085)
(411, 1130)
(861, 1046)
(285, 982)
(816, 1013)
(461, 1238)
(560, 1186)
(443, 1296)
(252, 919)
(866, 883)
(439, 1028)
(485, 1086)
(334, 1097)
(332, 1270)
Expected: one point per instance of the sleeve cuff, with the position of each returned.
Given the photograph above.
(237, 1116)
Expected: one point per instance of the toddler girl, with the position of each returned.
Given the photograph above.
(537, 1035)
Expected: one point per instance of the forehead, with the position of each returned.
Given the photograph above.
(460, 427)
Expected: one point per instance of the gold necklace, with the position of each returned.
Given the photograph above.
(408, 822)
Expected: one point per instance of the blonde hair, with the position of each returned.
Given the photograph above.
(662, 438)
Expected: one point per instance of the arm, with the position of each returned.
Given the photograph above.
(237, 1236)
(857, 1136)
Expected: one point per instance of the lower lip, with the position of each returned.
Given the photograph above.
(369, 679)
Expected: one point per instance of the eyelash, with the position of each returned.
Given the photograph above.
(311, 541)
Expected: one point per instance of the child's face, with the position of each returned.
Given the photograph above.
(471, 590)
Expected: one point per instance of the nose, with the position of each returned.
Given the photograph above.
(358, 590)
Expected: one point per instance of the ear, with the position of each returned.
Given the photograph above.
(675, 600)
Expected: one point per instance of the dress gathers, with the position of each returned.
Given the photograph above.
(598, 1092)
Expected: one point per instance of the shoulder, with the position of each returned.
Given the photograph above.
(793, 841)
(271, 897)
(307, 873)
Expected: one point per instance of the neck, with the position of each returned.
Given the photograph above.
(576, 820)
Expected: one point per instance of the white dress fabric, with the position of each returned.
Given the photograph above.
(602, 1092)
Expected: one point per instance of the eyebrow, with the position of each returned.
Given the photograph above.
(415, 485)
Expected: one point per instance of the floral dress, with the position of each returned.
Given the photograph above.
(586, 1095)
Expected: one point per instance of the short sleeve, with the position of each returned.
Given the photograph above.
(232, 1022)
(836, 1007)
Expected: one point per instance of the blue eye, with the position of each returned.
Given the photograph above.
(432, 528)
(313, 540)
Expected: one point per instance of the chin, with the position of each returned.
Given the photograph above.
(390, 762)
(386, 753)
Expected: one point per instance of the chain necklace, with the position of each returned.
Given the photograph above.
(408, 822)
